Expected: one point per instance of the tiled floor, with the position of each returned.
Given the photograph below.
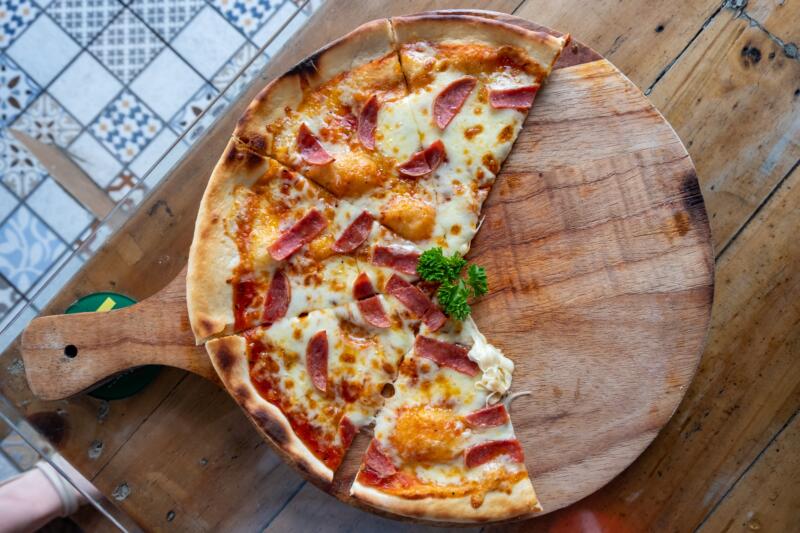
(113, 83)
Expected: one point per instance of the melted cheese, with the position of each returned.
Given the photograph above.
(496, 368)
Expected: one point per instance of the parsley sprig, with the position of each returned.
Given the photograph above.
(455, 291)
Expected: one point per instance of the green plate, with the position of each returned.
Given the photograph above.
(125, 383)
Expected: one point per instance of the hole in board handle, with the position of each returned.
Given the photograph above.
(70, 350)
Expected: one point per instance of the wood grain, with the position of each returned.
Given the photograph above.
(154, 331)
(767, 497)
(732, 100)
(596, 216)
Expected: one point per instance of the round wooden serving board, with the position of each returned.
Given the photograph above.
(600, 266)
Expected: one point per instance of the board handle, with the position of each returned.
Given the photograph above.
(67, 354)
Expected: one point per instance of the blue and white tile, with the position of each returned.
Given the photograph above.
(8, 297)
(126, 46)
(94, 159)
(284, 12)
(59, 210)
(19, 170)
(247, 15)
(230, 71)
(166, 84)
(83, 19)
(44, 50)
(8, 202)
(152, 152)
(126, 126)
(17, 90)
(127, 190)
(28, 248)
(15, 17)
(164, 166)
(10, 328)
(48, 122)
(85, 88)
(54, 279)
(166, 17)
(195, 107)
(208, 41)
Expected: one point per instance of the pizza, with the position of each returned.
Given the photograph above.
(304, 272)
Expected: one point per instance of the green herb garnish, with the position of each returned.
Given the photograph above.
(454, 291)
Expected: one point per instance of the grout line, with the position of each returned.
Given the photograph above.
(745, 471)
(757, 210)
(685, 48)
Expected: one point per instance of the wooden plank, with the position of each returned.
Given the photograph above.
(731, 98)
(779, 17)
(767, 497)
(747, 386)
(640, 38)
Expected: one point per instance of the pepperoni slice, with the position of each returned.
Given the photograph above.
(310, 148)
(317, 360)
(434, 318)
(424, 162)
(446, 354)
(303, 232)
(399, 259)
(362, 287)
(354, 235)
(448, 103)
(488, 417)
(372, 311)
(519, 98)
(377, 462)
(485, 452)
(278, 297)
(367, 122)
(347, 431)
(411, 297)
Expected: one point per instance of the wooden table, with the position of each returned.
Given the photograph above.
(728, 79)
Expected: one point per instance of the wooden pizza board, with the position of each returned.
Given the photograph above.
(600, 264)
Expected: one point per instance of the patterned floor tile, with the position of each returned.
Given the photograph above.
(94, 159)
(43, 50)
(167, 17)
(19, 170)
(59, 210)
(126, 46)
(126, 126)
(83, 19)
(166, 98)
(59, 274)
(17, 90)
(153, 152)
(27, 248)
(85, 88)
(8, 297)
(234, 66)
(47, 121)
(15, 16)
(208, 42)
(127, 190)
(8, 202)
(193, 109)
(247, 15)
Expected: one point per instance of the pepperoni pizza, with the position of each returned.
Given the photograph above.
(303, 280)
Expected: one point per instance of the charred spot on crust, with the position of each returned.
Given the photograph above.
(271, 427)
(241, 393)
(306, 67)
(225, 360)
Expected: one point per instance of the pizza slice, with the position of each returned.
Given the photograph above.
(270, 244)
(471, 83)
(443, 447)
(341, 119)
(309, 383)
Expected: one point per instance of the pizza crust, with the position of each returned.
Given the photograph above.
(229, 357)
(366, 43)
(213, 254)
(496, 505)
(542, 47)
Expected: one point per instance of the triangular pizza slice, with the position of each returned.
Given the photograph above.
(309, 383)
(471, 83)
(442, 449)
(271, 244)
